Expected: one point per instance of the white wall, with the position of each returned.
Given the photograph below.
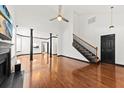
(13, 51)
(55, 45)
(66, 40)
(44, 47)
(59, 44)
(92, 32)
(18, 43)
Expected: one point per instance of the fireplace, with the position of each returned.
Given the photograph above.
(5, 65)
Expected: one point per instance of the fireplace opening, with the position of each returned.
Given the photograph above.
(2, 72)
(5, 65)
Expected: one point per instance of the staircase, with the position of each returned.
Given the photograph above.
(86, 49)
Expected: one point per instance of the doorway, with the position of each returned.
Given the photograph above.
(108, 48)
(45, 47)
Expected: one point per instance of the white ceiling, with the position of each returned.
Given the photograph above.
(34, 15)
(51, 10)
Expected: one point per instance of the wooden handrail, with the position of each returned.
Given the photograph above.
(96, 48)
(86, 42)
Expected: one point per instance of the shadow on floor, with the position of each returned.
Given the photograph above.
(15, 80)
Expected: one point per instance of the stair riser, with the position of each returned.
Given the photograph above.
(85, 52)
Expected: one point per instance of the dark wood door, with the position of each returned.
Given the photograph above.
(108, 48)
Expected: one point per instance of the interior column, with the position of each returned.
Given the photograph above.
(31, 45)
(50, 44)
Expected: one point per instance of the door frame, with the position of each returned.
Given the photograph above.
(47, 46)
(114, 47)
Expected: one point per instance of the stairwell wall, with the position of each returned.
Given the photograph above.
(67, 38)
(92, 32)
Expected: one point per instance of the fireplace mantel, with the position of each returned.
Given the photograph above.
(5, 45)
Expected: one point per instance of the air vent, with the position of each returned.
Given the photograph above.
(91, 20)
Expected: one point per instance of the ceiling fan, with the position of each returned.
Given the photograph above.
(59, 16)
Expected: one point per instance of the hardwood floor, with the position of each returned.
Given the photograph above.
(61, 72)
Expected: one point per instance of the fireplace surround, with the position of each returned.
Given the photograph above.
(5, 64)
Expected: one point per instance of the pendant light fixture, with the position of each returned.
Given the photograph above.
(111, 26)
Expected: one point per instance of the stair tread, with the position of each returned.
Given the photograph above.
(89, 55)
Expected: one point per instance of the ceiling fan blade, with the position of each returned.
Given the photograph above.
(53, 19)
(65, 19)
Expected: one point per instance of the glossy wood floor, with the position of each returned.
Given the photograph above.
(61, 72)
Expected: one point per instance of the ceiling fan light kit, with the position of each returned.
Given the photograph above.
(111, 26)
(59, 18)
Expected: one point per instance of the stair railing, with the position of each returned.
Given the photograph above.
(87, 45)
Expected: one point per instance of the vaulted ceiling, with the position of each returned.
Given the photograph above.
(38, 15)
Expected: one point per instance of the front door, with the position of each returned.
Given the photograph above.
(108, 48)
